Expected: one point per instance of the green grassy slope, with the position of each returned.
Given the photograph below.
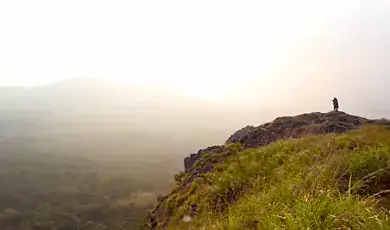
(333, 181)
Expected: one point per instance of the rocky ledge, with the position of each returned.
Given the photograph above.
(286, 127)
(198, 164)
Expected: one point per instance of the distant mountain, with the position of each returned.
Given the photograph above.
(81, 94)
(85, 115)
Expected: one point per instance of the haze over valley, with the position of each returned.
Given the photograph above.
(102, 102)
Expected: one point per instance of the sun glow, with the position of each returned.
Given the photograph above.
(202, 48)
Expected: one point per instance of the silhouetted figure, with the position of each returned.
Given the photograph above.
(335, 104)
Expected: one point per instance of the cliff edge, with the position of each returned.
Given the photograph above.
(255, 161)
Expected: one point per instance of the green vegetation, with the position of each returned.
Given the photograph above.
(333, 181)
(48, 191)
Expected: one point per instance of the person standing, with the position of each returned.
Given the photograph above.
(335, 104)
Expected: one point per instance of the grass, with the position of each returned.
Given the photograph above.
(316, 182)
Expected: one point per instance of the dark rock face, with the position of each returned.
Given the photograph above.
(194, 157)
(238, 135)
(282, 128)
(190, 161)
(295, 127)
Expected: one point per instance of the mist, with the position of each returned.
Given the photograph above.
(270, 58)
(101, 101)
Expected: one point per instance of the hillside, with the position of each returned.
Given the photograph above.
(312, 171)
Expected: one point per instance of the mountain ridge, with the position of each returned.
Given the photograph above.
(199, 166)
(287, 127)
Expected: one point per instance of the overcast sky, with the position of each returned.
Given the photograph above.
(287, 50)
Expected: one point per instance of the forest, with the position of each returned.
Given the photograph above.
(42, 191)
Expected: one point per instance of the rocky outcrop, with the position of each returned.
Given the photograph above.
(297, 126)
(194, 157)
(238, 135)
(197, 165)
(285, 127)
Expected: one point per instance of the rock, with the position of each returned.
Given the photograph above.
(238, 135)
(190, 161)
(194, 157)
(295, 127)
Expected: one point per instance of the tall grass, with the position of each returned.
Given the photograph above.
(316, 182)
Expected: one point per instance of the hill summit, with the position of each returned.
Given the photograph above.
(315, 170)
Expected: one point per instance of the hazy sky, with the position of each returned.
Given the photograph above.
(284, 49)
